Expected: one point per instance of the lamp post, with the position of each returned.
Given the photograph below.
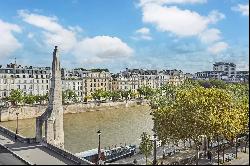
(99, 147)
(154, 161)
(16, 125)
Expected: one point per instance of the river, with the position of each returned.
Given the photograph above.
(123, 125)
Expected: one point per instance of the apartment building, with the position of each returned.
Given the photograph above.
(32, 80)
(228, 69)
(36, 80)
(84, 82)
(224, 71)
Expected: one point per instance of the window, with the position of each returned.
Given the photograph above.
(24, 76)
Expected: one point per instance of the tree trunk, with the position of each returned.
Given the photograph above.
(197, 155)
(190, 143)
(236, 147)
(223, 153)
(246, 146)
(218, 150)
(208, 142)
(146, 160)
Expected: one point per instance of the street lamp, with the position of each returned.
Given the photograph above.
(99, 146)
(154, 161)
(16, 125)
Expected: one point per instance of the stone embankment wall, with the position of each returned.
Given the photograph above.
(26, 112)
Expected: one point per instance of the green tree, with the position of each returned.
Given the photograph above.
(97, 94)
(16, 96)
(145, 92)
(146, 145)
(126, 94)
(29, 99)
(189, 113)
(115, 95)
(69, 95)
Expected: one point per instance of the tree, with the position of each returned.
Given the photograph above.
(133, 95)
(106, 95)
(69, 95)
(145, 91)
(126, 94)
(86, 98)
(29, 99)
(97, 95)
(16, 96)
(146, 145)
(184, 113)
(115, 95)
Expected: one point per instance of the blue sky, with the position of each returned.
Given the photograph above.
(153, 34)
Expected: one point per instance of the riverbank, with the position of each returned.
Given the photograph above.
(27, 112)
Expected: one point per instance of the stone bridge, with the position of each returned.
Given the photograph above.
(30, 152)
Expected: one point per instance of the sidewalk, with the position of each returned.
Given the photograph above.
(33, 153)
(243, 158)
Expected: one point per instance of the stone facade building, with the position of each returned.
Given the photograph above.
(224, 71)
(36, 80)
(32, 80)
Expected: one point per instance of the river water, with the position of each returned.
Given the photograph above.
(118, 125)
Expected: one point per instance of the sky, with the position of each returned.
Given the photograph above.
(188, 35)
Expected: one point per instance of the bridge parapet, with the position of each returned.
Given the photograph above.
(60, 152)
(18, 137)
(68, 155)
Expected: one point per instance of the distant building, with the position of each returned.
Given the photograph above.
(32, 80)
(36, 80)
(224, 71)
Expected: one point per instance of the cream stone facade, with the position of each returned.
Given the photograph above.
(31, 80)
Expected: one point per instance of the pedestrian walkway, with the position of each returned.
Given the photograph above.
(33, 153)
(6, 158)
(242, 159)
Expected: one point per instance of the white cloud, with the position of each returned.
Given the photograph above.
(93, 50)
(217, 48)
(76, 28)
(184, 22)
(144, 31)
(142, 34)
(210, 35)
(143, 2)
(8, 42)
(30, 35)
(53, 32)
(172, 19)
(215, 16)
(101, 48)
(244, 9)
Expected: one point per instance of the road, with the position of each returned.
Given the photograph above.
(141, 160)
